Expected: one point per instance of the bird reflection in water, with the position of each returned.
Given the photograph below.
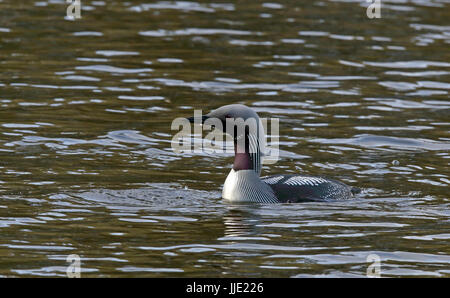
(241, 222)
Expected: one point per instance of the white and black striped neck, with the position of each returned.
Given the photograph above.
(247, 155)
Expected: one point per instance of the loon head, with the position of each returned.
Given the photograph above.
(230, 112)
(233, 111)
(245, 127)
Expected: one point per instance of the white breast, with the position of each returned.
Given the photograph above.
(246, 186)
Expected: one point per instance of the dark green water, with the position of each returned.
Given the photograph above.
(86, 165)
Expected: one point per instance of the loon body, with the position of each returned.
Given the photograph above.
(244, 183)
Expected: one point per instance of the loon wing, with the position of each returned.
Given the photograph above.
(305, 188)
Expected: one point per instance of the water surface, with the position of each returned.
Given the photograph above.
(87, 168)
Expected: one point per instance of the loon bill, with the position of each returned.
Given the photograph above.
(244, 183)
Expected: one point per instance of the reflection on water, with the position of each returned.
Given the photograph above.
(85, 140)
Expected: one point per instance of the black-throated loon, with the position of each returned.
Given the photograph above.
(244, 183)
